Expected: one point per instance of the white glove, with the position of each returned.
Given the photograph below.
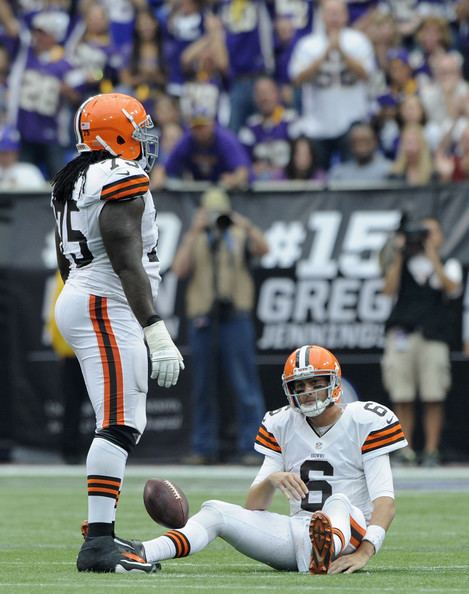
(166, 360)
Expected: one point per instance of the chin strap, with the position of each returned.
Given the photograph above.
(105, 145)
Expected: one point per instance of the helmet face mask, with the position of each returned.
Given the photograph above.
(118, 124)
(149, 142)
(309, 400)
(302, 371)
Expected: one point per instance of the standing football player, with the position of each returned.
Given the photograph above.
(106, 239)
(330, 461)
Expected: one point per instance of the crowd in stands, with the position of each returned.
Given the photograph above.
(248, 90)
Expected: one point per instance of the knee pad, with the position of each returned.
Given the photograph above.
(222, 509)
(213, 505)
(338, 497)
(120, 435)
(219, 506)
(217, 517)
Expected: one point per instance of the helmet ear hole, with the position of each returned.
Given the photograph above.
(120, 140)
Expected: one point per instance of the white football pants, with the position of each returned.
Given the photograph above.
(277, 540)
(109, 345)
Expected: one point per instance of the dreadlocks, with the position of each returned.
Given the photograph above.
(65, 180)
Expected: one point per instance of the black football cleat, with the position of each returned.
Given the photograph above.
(127, 546)
(101, 554)
(131, 546)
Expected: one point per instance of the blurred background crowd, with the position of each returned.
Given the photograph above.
(284, 89)
(248, 94)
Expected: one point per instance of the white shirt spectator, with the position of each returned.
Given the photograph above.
(445, 97)
(335, 98)
(21, 176)
(15, 175)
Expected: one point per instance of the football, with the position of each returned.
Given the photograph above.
(166, 503)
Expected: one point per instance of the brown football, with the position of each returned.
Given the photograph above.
(166, 503)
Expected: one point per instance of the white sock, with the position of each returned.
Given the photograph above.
(105, 467)
(159, 549)
(338, 508)
(199, 531)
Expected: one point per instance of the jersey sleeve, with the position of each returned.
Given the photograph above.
(381, 431)
(270, 465)
(125, 182)
(267, 442)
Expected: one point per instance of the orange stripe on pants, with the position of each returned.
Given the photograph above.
(113, 406)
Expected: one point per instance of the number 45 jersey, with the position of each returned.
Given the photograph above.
(331, 463)
(81, 242)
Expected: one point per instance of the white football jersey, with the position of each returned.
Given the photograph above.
(79, 230)
(336, 97)
(331, 463)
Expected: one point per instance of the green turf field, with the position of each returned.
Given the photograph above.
(426, 549)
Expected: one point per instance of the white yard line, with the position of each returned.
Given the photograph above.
(214, 586)
(222, 472)
(252, 566)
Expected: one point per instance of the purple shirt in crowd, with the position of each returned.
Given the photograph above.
(207, 163)
(178, 31)
(269, 140)
(301, 16)
(40, 98)
(242, 28)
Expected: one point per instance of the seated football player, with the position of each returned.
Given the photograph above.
(332, 464)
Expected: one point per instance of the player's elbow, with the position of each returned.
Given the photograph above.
(391, 508)
(385, 507)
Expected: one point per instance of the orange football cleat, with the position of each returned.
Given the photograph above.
(322, 543)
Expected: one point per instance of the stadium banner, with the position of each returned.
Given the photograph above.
(320, 283)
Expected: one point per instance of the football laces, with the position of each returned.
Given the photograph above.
(173, 489)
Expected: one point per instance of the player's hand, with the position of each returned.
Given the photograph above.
(166, 360)
(349, 563)
(289, 484)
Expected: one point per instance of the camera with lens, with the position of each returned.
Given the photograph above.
(220, 220)
(415, 235)
(223, 221)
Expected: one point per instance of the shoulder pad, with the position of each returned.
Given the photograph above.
(380, 430)
(267, 438)
(125, 180)
(279, 413)
(370, 413)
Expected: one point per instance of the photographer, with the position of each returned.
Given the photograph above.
(214, 255)
(419, 331)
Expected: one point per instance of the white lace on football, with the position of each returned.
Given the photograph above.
(173, 489)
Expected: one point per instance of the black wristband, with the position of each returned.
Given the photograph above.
(152, 320)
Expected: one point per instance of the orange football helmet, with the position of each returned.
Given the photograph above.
(118, 124)
(305, 363)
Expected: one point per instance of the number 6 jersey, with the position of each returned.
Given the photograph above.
(80, 236)
(334, 462)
